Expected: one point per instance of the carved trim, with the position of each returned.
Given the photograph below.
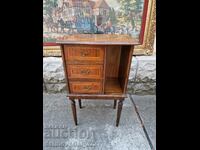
(51, 51)
(147, 47)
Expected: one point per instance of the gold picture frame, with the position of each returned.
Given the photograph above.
(148, 42)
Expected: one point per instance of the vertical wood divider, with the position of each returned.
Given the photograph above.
(104, 69)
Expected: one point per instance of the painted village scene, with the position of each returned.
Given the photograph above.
(61, 17)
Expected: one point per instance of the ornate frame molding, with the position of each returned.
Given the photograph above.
(149, 34)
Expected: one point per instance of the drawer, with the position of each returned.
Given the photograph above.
(85, 87)
(85, 71)
(84, 53)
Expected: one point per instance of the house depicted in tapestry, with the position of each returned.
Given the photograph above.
(101, 11)
(98, 10)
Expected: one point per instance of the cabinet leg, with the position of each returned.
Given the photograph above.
(115, 102)
(73, 105)
(119, 109)
(79, 102)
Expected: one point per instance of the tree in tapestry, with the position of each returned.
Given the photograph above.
(61, 17)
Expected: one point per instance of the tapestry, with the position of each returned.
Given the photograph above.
(61, 17)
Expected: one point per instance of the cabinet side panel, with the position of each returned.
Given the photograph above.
(63, 51)
(124, 67)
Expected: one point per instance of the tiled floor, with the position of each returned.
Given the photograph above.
(96, 124)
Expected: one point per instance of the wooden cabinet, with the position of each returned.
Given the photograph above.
(97, 68)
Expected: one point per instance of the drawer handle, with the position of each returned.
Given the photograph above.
(87, 87)
(85, 71)
(84, 53)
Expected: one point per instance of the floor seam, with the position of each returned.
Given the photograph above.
(142, 124)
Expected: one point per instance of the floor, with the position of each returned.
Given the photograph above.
(96, 124)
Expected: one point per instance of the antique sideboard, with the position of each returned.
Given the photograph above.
(97, 67)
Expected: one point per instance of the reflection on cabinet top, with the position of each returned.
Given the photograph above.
(98, 39)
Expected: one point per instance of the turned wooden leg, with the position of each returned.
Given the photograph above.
(115, 102)
(119, 109)
(79, 102)
(73, 105)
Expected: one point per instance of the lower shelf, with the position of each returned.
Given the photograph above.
(112, 86)
(97, 96)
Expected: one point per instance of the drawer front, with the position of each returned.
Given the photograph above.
(85, 87)
(85, 71)
(84, 53)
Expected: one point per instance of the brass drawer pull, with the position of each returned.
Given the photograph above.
(85, 71)
(84, 53)
(87, 87)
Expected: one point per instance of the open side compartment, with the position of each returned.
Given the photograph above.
(118, 61)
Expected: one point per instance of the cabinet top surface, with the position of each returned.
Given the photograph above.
(98, 39)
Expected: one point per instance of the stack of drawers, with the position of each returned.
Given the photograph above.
(85, 68)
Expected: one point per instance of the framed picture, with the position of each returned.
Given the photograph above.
(133, 17)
